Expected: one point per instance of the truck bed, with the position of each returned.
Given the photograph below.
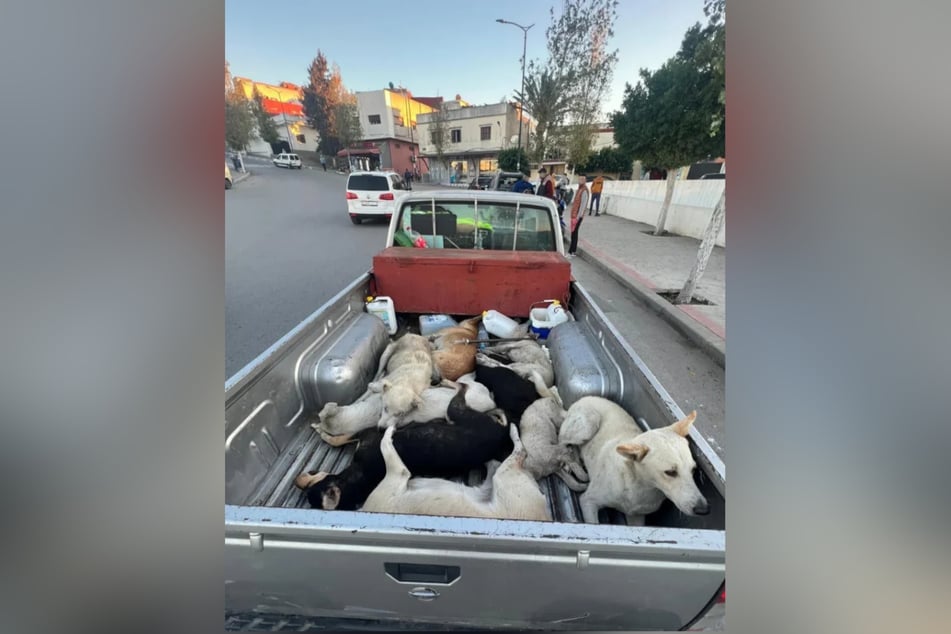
(284, 558)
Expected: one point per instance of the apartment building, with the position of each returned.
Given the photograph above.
(388, 119)
(474, 137)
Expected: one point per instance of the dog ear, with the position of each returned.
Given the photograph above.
(635, 450)
(306, 480)
(331, 498)
(682, 427)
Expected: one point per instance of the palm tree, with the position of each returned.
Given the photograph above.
(546, 100)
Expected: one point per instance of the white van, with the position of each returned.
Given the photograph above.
(288, 160)
(373, 194)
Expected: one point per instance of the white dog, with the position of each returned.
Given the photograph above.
(630, 470)
(510, 493)
(539, 427)
(408, 363)
(338, 423)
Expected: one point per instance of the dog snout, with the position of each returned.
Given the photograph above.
(701, 508)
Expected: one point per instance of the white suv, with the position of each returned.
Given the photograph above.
(373, 194)
(285, 159)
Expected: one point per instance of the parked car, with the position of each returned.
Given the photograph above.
(288, 160)
(713, 177)
(483, 182)
(228, 180)
(498, 181)
(373, 194)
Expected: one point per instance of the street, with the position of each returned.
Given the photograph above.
(290, 247)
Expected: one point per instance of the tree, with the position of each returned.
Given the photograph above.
(509, 160)
(546, 99)
(673, 117)
(347, 119)
(239, 120)
(323, 93)
(608, 159)
(439, 133)
(712, 52)
(267, 129)
(578, 57)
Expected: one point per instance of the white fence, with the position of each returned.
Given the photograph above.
(690, 208)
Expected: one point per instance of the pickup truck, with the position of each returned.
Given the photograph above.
(288, 565)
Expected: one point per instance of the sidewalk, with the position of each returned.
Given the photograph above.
(646, 264)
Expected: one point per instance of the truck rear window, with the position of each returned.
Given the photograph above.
(468, 225)
(368, 183)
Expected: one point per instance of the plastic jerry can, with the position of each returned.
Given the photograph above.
(428, 324)
(544, 319)
(483, 334)
(499, 325)
(383, 308)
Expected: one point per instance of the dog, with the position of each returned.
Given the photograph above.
(441, 449)
(524, 357)
(539, 431)
(512, 393)
(452, 358)
(630, 470)
(508, 492)
(408, 364)
(527, 371)
(338, 423)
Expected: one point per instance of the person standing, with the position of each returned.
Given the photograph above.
(578, 206)
(522, 186)
(546, 187)
(323, 162)
(597, 185)
(408, 178)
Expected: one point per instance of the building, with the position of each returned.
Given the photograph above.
(284, 103)
(474, 137)
(391, 140)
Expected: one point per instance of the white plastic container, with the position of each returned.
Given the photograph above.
(429, 324)
(499, 325)
(383, 308)
(543, 319)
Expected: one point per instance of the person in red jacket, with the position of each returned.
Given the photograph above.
(578, 206)
(546, 187)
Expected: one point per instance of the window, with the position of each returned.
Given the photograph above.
(397, 145)
(432, 137)
(301, 138)
(485, 132)
(455, 135)
(488, 165)
(465, 225)
(375, 119)
(368, 183)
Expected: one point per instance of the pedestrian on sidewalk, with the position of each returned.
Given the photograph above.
(323, 162)
(522, 186)
(597, 185)
(578, 206)
(408, 178)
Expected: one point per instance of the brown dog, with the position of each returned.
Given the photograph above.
(454, 359)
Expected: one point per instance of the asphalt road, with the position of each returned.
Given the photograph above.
(290, 246)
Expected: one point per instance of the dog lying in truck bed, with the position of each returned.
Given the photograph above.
(433, 449)
(408, 365)
(454, 359)
(546, 456)
(631, 470)
(524, 357)
(338, 423)
(509, 493)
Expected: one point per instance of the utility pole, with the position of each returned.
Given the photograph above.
(521, 109)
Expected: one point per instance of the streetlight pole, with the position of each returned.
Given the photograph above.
(521, 107)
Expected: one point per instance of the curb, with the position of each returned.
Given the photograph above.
(709, 342)
(240, 177)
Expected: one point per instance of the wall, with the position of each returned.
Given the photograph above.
(690, 208)
(374, 102)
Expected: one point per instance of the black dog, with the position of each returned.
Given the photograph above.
(512, 393)
(438, 449)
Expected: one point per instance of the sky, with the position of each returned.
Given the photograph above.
(435, 47)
